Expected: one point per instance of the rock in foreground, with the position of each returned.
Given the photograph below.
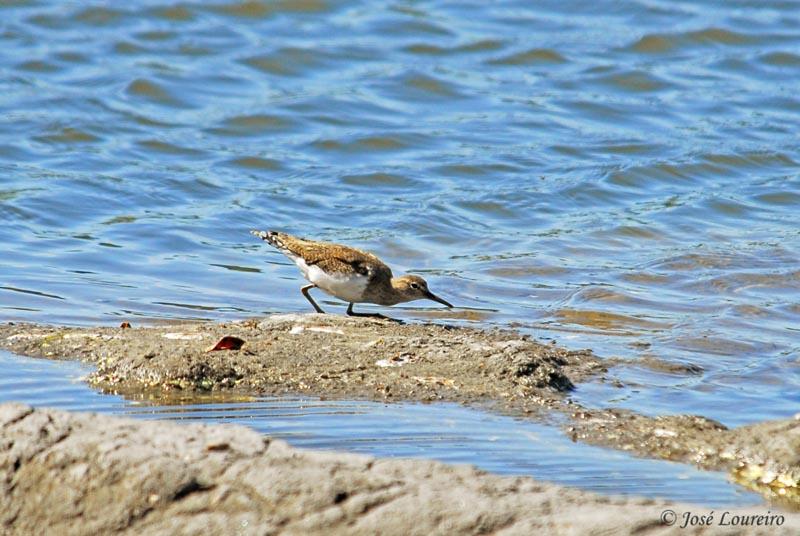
(64, 473)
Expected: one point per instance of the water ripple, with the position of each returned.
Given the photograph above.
(573, 169)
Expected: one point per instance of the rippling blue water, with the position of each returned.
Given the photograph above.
(616, 175)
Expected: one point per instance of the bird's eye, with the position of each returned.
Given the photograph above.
(414, 286)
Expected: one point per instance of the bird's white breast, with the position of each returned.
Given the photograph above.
(348, 287)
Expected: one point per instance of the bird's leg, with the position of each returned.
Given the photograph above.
(305, 290)
(350, 312)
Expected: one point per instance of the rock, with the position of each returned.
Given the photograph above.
(292, 352)
(64, 473)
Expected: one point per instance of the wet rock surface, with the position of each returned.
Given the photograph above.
(321, 354)
(75, 473)
(335, 356)
(764, 457)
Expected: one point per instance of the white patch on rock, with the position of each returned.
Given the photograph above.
(20, 336)
(660, 432)
(323, 329)
(183, 336)
(397, 361)
(81, 336)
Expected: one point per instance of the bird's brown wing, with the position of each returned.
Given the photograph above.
(332, 258)
(343, 259)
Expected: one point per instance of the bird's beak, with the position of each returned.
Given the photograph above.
(431, 296)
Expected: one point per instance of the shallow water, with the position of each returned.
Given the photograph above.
(445, 432)
(621, 176)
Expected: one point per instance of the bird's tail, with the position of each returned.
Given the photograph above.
(274, 238)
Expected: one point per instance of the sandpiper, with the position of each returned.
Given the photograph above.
(347, 273)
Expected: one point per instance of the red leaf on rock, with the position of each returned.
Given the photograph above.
(228, 342)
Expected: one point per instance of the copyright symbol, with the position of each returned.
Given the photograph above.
(669, 517)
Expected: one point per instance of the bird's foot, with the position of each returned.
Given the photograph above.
(350, 312)
(387, 318)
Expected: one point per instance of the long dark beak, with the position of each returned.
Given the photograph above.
(431, 296)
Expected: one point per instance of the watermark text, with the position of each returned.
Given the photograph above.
(721, 519)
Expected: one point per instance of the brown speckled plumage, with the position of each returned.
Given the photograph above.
(330, 257)
(345, 270)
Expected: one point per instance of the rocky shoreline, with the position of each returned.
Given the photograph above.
(334, 356)
(76, 473)
(319, 354)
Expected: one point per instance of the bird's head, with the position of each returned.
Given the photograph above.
(413, 287)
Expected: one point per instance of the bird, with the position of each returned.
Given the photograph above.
(347, 273)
